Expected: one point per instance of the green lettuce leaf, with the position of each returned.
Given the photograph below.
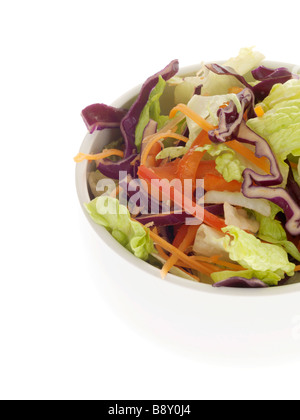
(288, 246)
(246, 60)
(268, 277)
(172, 152)
(227, 162)
(253, 254)
(280, 125)
(272, 231)
(230, 167)
(282, 92)
(107, 212)
(269, 226)
(151, 111)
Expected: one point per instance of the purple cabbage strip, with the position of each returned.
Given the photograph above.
(130, 121)
(230, 119)
(198, 90)
(240, 282)
(176, 218)
(100, 116)
(112, 169)
(262, 149)
(128, 125)
(232, 125)
(292, 187)
(267, 77)
(278, 196)
(227, 71)
(216, 209)
(133, 186)
(168, 219)
(264, 73)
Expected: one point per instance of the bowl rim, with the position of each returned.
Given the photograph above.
(116, 247)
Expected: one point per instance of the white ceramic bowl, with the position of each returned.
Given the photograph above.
(92, 143)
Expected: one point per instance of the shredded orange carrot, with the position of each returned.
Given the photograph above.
(182, 201)
(201, 267)
(106, 153)
(161, 252)
(211, 260)
(297, 268)
(193, 116)
(262, 162)
(259, 111)
(225, 105)
(235, 89)
(188, 239)
(232, 266)
(165, 256)
(189, 233)
(157, 138)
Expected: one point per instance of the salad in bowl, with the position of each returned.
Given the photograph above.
(199, 174)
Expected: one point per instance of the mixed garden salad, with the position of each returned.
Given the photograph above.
(202, 179)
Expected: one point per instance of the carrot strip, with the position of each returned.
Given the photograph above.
(217, 183)
(189, 164)
(235, 89)
(167, 170)
(215, 259)
(157, 138)
(182, 201)
(158, 247)
(212, 260)
(189, 237)
(259, 111)
(189, 233)
(297, 268)
(193, 116)
(262, 162)
(201, 267)
(106, 153)
(161, 252)
(180, 235)
(232, 266)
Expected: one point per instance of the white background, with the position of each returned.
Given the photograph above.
(76, 322)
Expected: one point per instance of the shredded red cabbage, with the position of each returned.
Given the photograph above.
(130, 121)
(128, 125)
(242, 283)
(267, 77)
(227, 71)
(232, 125)
(101, 116)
